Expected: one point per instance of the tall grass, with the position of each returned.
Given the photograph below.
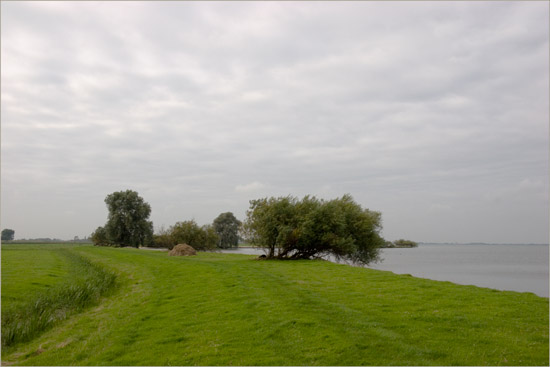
(23, 322)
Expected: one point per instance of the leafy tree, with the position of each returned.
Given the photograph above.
(99, 237)
(227, 229)
(127, 224)
(8, 234)
(200, 238)
(301, 229)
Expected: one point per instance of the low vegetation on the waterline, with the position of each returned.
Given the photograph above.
(400, 244)
(225, 309)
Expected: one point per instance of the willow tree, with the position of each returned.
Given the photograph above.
(227, 227)
(127, 223)
(289, 228)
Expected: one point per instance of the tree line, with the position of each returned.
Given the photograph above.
(285, 227)
(128, 224)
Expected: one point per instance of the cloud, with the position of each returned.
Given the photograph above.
(250, 187)
(205, 104)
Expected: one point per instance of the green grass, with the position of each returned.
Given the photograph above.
(27, 269)
(227, 309)
(31, 310)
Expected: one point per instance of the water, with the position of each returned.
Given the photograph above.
(521, 268)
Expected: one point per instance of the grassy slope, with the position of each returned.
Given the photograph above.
(27, 309)
(224, 309)
(20, 281)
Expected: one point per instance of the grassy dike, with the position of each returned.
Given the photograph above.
(28, 309)
(226, 309)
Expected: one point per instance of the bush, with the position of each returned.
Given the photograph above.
(289, 228)
(405, 243)
(200, 238)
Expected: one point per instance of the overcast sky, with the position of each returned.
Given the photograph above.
(436, 114)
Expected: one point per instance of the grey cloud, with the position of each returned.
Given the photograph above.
(417, 109)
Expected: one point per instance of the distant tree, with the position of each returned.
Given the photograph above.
(227, 229)
(301, 229)
(405, 243)
(127, 223)
(200, 238)
(8, 234)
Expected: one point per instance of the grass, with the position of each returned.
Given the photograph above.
(228, 309)
(26, 314)
(29, 269)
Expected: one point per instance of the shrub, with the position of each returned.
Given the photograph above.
(200, 238)
(405, 243)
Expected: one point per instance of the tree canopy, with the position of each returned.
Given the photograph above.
(227, 229)
(8, 234)
(301, 229)
(127, 222)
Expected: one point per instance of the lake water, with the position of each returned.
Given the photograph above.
(522, 268)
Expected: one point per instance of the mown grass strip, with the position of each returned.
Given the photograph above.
(23, 322)
(226, 309)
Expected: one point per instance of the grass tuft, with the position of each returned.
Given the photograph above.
(23, 321)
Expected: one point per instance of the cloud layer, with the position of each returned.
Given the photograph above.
(435, 114)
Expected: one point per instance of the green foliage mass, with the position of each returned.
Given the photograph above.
(201, 238)
(127, 223)
(301, 229)
(227, 229)
(225, 309)
(405, 243)
(8, 234)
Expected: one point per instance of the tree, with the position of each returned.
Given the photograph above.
(227, 229)
(99, 237)
(301, 229)
(200, 238)
(127, 223)
(8, 234)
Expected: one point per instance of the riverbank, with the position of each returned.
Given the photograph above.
(521, 268)
(223, 309)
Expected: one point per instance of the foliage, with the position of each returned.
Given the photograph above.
(301, 229)
(8, 234)
(227, 229)
(99, 237)
(200, 238)
(164, 239)
(127, 223)
(286, 313)
(400, 244)
(405, 243)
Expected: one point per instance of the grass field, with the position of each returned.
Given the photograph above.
(227, 309)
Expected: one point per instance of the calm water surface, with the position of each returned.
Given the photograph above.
(522, 268)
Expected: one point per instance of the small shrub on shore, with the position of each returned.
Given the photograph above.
(405, 243)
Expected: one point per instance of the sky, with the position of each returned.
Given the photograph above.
(435, 114)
